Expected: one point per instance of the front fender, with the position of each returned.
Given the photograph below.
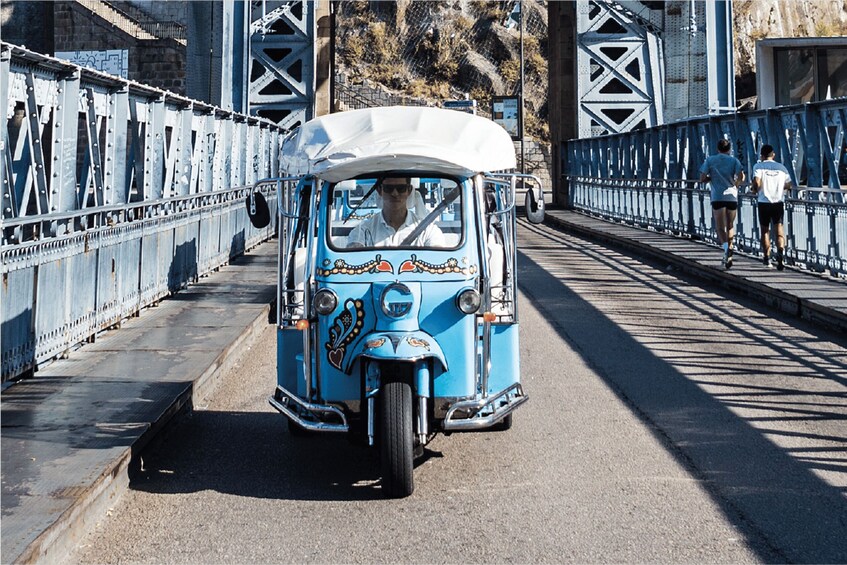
(401, 346)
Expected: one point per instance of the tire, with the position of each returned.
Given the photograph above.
(503, 425)
(397, 441)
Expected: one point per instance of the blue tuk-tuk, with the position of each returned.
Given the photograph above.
(396, 305)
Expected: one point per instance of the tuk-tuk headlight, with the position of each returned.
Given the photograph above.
(325, 301)
(468, 301)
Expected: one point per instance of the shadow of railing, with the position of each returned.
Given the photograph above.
(700, 390)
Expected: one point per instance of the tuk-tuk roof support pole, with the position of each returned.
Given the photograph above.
(308, 282)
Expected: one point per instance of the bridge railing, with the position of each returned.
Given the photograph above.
(114, 195)
(660, 165)
(815, 221)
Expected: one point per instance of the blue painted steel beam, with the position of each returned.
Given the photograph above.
(720, 55)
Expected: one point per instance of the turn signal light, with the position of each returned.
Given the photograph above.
(489, 316)
(302, 325)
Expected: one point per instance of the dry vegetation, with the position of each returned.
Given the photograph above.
(443, 51)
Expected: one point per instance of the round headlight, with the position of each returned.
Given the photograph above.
(468, 301)
(325, 301)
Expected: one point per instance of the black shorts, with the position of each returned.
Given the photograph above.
(728, 204)
(770, 212)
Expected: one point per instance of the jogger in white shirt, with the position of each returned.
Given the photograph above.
(771, 181)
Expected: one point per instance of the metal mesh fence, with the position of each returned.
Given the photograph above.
(428, 53)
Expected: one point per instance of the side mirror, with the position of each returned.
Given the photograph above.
(534, 206)
(258, 210)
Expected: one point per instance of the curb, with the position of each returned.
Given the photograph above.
(805, 309)
(62, 537)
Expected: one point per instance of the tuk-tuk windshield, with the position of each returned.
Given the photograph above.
(396, 211)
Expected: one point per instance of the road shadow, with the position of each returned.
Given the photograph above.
(786, 512)
(253, 454)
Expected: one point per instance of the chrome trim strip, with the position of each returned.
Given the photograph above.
(314, 408)
(476, 422)
(371, 404)
(423, 429)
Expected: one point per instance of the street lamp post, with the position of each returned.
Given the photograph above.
(520, 7)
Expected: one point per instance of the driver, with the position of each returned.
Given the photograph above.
(390, 227)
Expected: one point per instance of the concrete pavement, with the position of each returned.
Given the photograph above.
(70, 433)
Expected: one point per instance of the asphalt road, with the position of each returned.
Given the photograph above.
(667, 422)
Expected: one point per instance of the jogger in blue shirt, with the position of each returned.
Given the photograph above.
(724, 173)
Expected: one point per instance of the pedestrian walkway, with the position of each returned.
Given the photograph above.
(818, 298)
(69, 433)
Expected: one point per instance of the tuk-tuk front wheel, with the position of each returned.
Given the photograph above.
(397, 442)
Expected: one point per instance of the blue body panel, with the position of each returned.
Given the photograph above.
(505, 357)
(434, 328)
(405, 345)
(289, 354)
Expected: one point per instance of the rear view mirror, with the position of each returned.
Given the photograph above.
(534, 206)
(258, 210)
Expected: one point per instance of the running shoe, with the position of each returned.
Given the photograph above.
(780, 260)
(766, 261)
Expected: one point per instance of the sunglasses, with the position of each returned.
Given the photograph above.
(398, 188)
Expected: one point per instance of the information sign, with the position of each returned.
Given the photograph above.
(505, 110)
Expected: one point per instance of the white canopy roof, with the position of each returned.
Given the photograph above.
(341, 146)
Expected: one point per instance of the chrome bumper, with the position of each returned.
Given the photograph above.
(292, 407)
(485, 412)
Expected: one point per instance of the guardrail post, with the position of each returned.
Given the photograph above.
(833, 251)
(154, 149)
(36, 151)
(814, 164)
(691, 228)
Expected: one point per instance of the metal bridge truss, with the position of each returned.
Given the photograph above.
(282, 62)
(642, 63)
(648, 177)
(620, 66)
(114, 195)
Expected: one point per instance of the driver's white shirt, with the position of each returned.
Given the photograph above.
(375, 232)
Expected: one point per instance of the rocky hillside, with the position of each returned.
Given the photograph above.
(447, 51)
